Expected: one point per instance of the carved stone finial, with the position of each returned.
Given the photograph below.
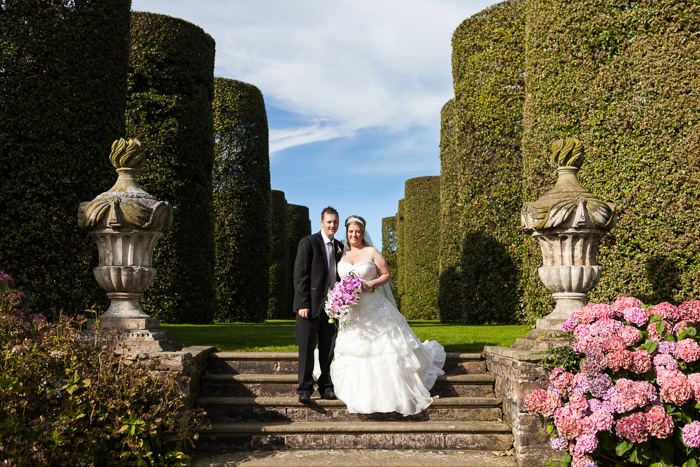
(567, 153)
(126, 205)
(127, 154)
(568, 222)
(126, 222)
(568, 204)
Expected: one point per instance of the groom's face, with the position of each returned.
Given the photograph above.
(329, 224)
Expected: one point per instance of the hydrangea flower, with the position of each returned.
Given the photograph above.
(687, 350)
(691, 434)
(633, 428)
(542, 402)
(614, 391)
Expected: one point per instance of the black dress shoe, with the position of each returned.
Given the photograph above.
(305, 398)
(329, 394)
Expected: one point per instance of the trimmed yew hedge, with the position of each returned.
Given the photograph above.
(298, 227)
(623, 77)
(389, 247)
(400, 259)
(419, 267)
(450, 269)
(63, 73)
(488, 70)
(169, 108)
(241, 179)
(280, 305)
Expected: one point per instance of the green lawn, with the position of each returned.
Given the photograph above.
(278, 335)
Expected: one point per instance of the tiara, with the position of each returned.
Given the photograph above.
(354, 219)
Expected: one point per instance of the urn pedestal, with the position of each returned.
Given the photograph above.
(568, 223)
(126, 222)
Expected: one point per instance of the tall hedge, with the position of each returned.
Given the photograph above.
(389, 250)
(298, 227)
(488, 70)
(280, 305)
(623, 77)
(450, 298)
(169, 108)
(421, 243)
(63, 70)
(400, 248)
(241, 179)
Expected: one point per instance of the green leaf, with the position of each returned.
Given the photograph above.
(623, 447)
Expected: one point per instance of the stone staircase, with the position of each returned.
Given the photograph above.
(251, 405)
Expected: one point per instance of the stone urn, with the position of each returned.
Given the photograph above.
(568, 222)
(126, 222)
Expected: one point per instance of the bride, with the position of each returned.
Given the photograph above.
(379, 363)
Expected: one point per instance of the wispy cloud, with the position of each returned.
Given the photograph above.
(281, 139)
(358, 63)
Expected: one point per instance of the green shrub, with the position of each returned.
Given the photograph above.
(400, 258)
(450, 299)
(280, 306)
(169, 109)
(71, 401)
(298, 227)
(241, 180)
(622, 77)
(482, 196)
(63, 72)
(389, 246)
(419, 274)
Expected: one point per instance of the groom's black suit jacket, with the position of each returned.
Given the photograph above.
(311, 273)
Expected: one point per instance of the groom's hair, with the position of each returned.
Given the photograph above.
(330, 211)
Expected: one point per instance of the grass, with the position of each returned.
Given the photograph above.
(278, 335)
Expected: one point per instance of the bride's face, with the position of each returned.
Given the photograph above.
(354, 235)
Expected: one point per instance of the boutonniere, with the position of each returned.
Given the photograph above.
(338, 250)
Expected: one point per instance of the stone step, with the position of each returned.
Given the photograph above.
(273, 385)
(472, 435)
(280, 409)
(355, 458)
(286, 362)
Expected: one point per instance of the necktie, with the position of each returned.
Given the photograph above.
(331, 265)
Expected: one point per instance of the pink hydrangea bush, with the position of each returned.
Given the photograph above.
(630, 392)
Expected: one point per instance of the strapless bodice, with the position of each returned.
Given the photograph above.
(365, 270)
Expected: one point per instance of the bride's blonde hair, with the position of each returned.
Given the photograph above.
(358, 221)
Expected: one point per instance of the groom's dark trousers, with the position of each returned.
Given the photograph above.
(310, 290)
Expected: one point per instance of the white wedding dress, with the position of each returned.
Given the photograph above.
(379, 363)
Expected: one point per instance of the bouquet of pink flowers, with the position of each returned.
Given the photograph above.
(629, 389)
(344, 295)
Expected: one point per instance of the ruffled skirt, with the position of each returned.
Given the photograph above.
(379, 363)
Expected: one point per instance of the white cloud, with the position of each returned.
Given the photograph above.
(281, 139)
(359, 63)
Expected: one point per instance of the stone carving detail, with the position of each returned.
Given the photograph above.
(568, 222)
(126, 222)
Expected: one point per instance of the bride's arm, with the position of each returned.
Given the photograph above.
(382, 270)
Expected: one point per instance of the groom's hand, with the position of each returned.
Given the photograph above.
(304, 313)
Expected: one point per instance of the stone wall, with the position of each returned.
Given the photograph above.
(186, 366)
(517, 374)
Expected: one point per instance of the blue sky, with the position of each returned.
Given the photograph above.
(353, 90)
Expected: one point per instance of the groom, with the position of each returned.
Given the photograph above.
(314, 275)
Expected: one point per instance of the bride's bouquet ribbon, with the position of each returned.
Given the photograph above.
(344, 295)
